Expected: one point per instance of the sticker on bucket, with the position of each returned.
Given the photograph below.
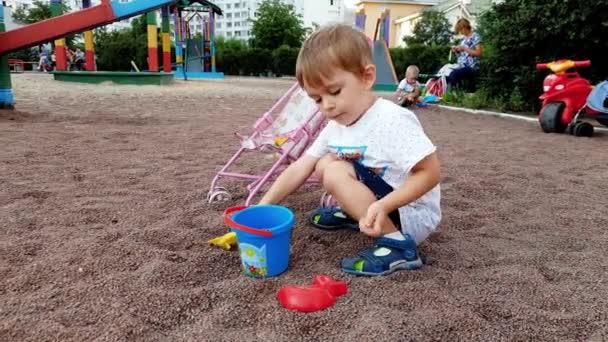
(253, 260)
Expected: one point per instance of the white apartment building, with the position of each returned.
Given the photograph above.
(14, 4)
(323, 12)
(27, 4)
(8, 19)
(238, 14)
(75, 5)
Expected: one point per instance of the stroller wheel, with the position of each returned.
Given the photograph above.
(219, 196)
(582, 129)
(214, 190)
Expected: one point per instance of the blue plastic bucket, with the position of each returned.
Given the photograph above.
(263, 234)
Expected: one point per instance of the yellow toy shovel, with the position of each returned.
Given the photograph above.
(226, 241)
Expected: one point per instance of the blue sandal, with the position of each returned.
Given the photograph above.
(385, 257)
(332, 218)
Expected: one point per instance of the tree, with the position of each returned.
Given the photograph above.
(433, 28)
(277, 24)
(116, 49)
(230, 54)
(40, 11)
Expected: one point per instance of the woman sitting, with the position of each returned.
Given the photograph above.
(469, 52)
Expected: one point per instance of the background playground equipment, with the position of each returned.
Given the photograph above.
(194, 53)
(62, 25)
(386, 78)
(568, 97)
(152, 75)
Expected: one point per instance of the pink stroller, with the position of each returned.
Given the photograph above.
(285, 130)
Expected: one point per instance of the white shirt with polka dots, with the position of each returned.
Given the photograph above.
(389, 140)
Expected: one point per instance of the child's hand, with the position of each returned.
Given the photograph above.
(376, 216)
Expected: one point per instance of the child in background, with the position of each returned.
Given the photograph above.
(373, 156)
(409, 90)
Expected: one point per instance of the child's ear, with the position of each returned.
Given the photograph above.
(369, 76)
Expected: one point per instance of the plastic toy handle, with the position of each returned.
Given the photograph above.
(582, 63)
(540, 66)
(228, 220)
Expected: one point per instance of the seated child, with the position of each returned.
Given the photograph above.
(408, 91)
(373, 156)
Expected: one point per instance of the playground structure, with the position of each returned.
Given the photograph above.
(153, 76)
(194, 54)
(90, 17)
(386, 78)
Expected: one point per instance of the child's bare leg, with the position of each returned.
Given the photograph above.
(322, 164)
(354, 197)
(392, 251)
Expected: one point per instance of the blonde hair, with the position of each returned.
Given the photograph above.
(461, 24)
(331, 48)
(413, 69)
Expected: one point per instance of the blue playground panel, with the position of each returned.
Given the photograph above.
(129, 9)
(6, 98)
(179, 73)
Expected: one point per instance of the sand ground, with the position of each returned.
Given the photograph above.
(103, 227)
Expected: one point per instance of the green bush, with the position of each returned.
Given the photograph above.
(284, 60)
(116, 49)
(234, 57)
(516, 101)
(433, 28)
(230, 55)
(482, 99)
(518, 34)
(257, 62)
(428, 58)
(26, 55)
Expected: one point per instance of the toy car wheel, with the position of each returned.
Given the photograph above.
(583, 129)
(603, 121)
(219, 196)
(573, 127)
(551, 118)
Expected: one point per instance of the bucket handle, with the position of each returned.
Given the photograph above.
(228, 220)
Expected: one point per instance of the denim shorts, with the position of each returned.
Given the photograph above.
(378, 186)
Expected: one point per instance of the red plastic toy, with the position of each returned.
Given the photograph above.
(564, 100)
(321, 294)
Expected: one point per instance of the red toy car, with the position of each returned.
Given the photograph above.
(565, 100)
